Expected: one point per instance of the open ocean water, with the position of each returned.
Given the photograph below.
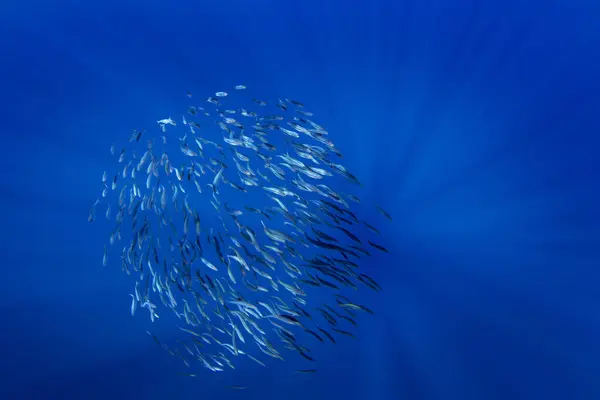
(475, 124)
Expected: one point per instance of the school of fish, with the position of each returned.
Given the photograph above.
(225, 220)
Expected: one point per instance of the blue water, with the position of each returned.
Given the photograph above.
(474, 123)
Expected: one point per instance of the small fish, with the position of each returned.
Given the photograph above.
(379, 247)
(371, 228)
(327, 334)
(296, 103)
(384, 213)
(166, 121)
(92, 212)
(343, 332)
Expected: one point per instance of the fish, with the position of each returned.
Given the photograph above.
(327, 334)
(346, 333)
(384, 213)
(166, 121)
(371, 228)
(285, 251)
(356, 307)
(105, 257)
(378, 247)
(92, 212)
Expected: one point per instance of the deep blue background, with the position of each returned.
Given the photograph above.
(474, 123)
